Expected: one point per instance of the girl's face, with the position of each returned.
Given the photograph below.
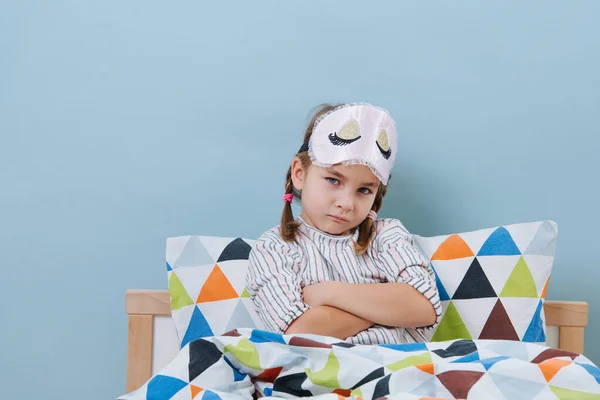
(335, 199)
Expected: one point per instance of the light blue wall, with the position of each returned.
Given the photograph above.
(125, 122)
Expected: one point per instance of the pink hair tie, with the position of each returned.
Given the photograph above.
(288, 197)
(372, 215)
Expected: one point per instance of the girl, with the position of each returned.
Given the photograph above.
(337, 270)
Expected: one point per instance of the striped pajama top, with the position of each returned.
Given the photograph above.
(277, 271)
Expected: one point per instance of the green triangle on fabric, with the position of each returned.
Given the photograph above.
(179, 296)
(328, 376)
(245, 352)
(245, 294)
(356, 393)
(567, 394)
(424, 358)
(499, 243)
(451, 326)
(520, 283)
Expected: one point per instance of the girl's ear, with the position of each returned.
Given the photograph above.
(298, 174)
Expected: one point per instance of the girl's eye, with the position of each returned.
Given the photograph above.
(333, 181)
(365, 190)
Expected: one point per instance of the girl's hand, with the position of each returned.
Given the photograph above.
(319, 294)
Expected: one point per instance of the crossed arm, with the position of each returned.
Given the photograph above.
(342, 310)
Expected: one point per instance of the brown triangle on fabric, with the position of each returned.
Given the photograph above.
(232, 333)
(343, 392)
(268, 375)
(499, 325)
(553, 353)
(303, 342)
(459, 383)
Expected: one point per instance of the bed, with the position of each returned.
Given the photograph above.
(152, 340)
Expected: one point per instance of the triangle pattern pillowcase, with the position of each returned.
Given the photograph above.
(206, 280)
(492, 282)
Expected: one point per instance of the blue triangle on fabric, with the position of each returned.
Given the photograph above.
(169, 267)
(164, 387)
(197, 328)
(544, 241)
(208, 395)
(441, 289)
(237, 376)
(592, 370)
(535, 331)
(499, 243)
(407, 347)
(468, 358)
(194, 254)
(489, 362)
(268, 392)
(240, 318)
(260, 336)
(516, 388)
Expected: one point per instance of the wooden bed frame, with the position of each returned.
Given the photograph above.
(142, 306)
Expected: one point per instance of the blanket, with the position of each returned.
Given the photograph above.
(247, 364)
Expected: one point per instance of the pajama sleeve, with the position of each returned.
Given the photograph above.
(402, 262)
(274, 284)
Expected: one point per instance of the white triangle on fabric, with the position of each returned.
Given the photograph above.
(540, 268)
(485, 388)
(475, 313)
(476, 239)
(429, 245)
(523, 234)
(218, 314)
(520, 310)
(508, 368)
(235, 271)
(452, 272)
(218, 374)
(175, 246)
(215, 245)
(572, 377)
(178, 366)
(545, 394)
(183, 394)
(182, 318)
(193, 278)
(497, 269)
(535, 349)
(253, 314)
(513, 387)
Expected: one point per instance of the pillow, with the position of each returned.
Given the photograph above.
(207, 276)
(492, 282)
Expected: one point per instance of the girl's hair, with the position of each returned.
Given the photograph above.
(289, 227)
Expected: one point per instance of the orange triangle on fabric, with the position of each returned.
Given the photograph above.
(451, 248)
(551, 367)
(426, 368)
(543, 296)
(269, 375)
(195, 390)
(216, 287)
